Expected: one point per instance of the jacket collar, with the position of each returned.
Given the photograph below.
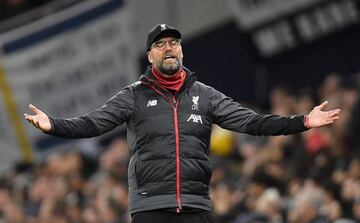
(149, 78)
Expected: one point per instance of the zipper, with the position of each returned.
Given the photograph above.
(177, 145)
(174, 106)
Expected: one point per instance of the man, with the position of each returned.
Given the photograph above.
(169, 117)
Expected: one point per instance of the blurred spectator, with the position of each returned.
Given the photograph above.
(269, 205)
(307, 206)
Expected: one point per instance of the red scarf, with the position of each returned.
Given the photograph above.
(172, 83)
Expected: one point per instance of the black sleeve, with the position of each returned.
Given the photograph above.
(230, 115)
(113, 113)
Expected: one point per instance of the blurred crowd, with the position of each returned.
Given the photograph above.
(68, 187)
(313, 177)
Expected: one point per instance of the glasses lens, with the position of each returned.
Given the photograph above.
(175, 42)
(161, 44)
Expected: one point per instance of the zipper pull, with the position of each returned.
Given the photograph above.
(178, 210)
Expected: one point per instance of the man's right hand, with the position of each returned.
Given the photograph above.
(40, 120)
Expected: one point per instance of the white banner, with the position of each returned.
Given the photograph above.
(251, 13)
(279, 25)
(68, 63)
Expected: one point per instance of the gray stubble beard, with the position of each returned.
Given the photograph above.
(171, 70)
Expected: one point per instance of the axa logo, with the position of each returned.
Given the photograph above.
(195, 101)
(151, 103)
(195, 118)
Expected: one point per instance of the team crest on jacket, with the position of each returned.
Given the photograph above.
(195, 101)
(195, 118)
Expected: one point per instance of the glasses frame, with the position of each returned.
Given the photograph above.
(161, 44)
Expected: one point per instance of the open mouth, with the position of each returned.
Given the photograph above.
(169, 58)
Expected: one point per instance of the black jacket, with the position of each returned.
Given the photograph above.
(169, 135)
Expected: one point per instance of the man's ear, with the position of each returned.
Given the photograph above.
(150, 59)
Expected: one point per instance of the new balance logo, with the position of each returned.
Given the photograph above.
(195, 118)
(151, 103)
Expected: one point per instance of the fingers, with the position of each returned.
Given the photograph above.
(322, 106)
(333, 113)
(333, 118)
(31, 120)
(33, 109)
(28, 117)
(329, 122)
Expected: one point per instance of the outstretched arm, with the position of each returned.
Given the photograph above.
(231, 115)
(39, 119)
(113, 113)
(317, 117)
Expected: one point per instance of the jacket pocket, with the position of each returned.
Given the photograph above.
(154, 171)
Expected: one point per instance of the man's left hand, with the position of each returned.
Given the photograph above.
(318, 117)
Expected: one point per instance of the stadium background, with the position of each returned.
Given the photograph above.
(283, 57)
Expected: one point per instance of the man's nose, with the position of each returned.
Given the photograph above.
(167, 46)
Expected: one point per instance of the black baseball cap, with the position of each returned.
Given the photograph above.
(158, 30)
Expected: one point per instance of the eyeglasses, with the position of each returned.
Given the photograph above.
(160, 45)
